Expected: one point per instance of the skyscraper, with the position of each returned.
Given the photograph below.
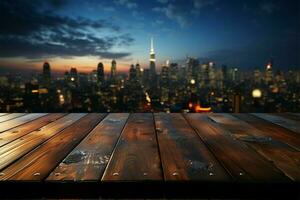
(269, 72)
(100, 73)
(113, 69)
(46, 74)
(152, 60)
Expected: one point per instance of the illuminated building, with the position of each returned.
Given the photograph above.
(269, 73)
(152, 60)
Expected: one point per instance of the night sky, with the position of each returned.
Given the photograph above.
(81, 33)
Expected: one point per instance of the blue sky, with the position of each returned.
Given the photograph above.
(79, 33)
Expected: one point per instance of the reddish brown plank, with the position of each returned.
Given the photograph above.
(183, 155)
(16, 149)
(271, 130)
(283, 156)
(88, 160)
(10, 116)
(38, 164)
(19, 121)
(284, 122)
(135, 157)
(15, 133)
(243, 163)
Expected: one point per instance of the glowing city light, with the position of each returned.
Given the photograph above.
(256, 93)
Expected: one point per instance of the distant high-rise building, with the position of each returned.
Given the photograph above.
(237, 102)
(257, 76)
(138, 72)
(113, 69)
(46, 74)
(100, 73)
(132, 73)
(73, 76)
(269, 72)
(152, 60)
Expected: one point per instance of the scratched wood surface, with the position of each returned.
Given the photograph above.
(118, 147)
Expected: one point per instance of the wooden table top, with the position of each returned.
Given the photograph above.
(116, 150)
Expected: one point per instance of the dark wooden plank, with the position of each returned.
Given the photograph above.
(135, 157)
(39, 163)
(284, 122)
(10, 116)
(243, 163)
(15, 133)
(290, 116)
(88, 160)
(19, 121)
(18, 148)
(283, 156)
(183, 155)
(272, 130)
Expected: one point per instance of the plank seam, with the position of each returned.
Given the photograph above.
(58, 163)
(207, 146)
(114, 148)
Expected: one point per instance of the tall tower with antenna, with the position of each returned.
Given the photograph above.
(152, 59)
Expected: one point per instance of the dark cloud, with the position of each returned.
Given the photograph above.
(283, 52)
(127, 3)
(31, 29)
(268, 7)
(182, 12)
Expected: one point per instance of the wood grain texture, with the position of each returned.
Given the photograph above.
(10, 116)
(283, 122)
(291, 116)
(19, 147)
(270, 130)
(283, 156)
(88, 160)
(39, 163)
(183, 155)
(15, 133)
(135, 157)
(243, 163)
(19, 121)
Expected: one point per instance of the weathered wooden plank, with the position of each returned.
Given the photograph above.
(19, 147)
(270, 130)
(15, 133)
(296, 114)
(286, 123)
(2, 114)
(183, 155)
(283, 156)
(88, 160)
(135, 157)
(10, 116)
(38, 164)
(289, 116)
(20, 120)
(243, 163)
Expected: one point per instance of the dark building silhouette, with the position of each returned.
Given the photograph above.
(100, 73)
(46, 74)
(113, 69)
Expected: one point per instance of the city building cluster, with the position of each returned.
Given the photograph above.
(189, 87)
